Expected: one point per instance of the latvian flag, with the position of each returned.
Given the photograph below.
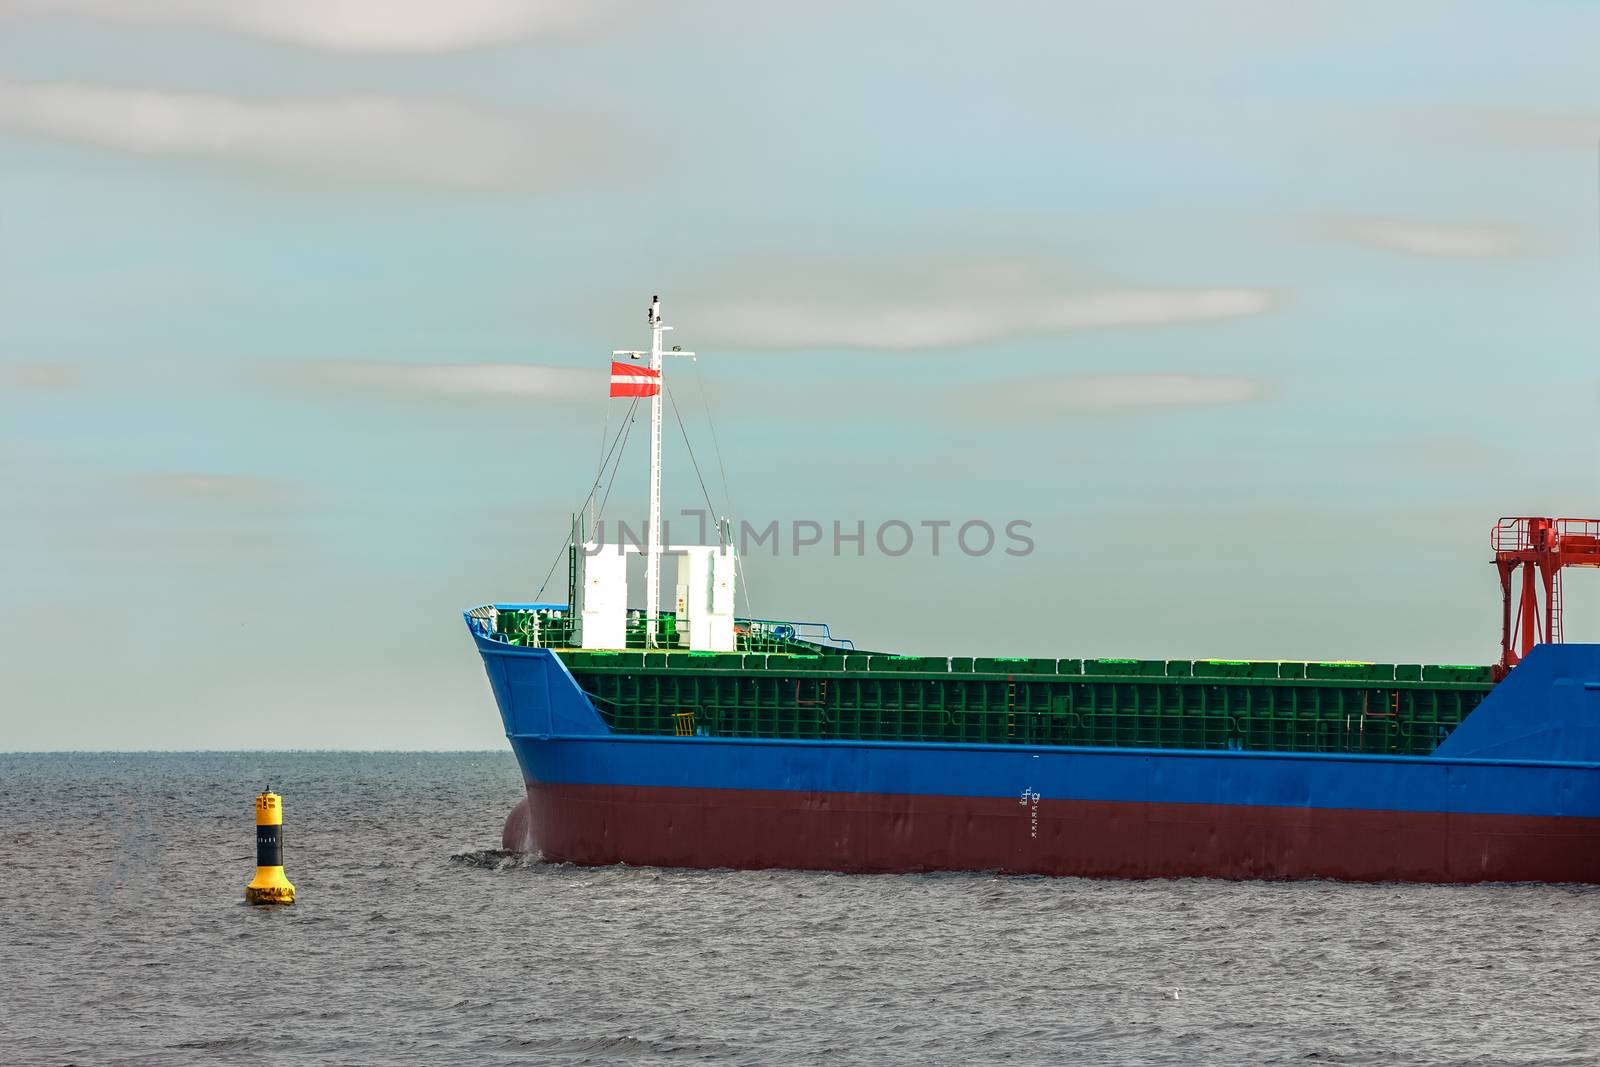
(629, 379)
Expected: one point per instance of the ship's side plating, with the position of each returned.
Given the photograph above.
(1512, 795)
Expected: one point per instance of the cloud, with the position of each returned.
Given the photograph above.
(956, 320)
(41, 377)
(1513, 127)
(1437, 241)
(197, 485)
(466, 381)
(1069, 394)
(396, 26)
(1439, 451)
(354, 138)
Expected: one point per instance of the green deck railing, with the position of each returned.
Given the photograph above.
(556, 628)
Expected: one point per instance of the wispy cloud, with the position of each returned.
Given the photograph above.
(1463, 452)
(354, 138)
(1435, 240)
(1067, 394)
(946, 301)
(212, 486)
(781, 324)
(40, 376)
(1515, 127)
(405, 26)
(466, 381)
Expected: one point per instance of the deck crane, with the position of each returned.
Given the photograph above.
(1538, 549)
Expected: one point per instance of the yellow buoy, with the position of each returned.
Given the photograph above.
(269, 886)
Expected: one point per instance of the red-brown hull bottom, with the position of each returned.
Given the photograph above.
(596, 825)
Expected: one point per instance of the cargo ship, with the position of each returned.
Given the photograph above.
(693, 737)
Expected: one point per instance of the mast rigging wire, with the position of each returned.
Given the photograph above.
(600, 470)
(620, 439)
(618, 465)
(690, 449)
(727, 494)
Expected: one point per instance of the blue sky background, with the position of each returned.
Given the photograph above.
(1260, 314)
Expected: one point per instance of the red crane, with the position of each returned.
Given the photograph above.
(1539, 548)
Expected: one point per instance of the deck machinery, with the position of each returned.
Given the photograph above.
(1530, 553)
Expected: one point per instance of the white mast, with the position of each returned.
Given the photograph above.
(652, 548)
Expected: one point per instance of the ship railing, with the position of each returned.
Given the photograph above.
(553, 626)
(1580, 534)
(528, 625)
(813, 633)
(1515, 534)
(481, 620)
(1510, 535)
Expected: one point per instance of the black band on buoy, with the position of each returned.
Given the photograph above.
(269, 846)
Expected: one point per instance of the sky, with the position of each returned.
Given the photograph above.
(1258, 315)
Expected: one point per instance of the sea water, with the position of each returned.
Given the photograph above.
(124, 939)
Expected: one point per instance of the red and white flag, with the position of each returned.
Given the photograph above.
(630, 379)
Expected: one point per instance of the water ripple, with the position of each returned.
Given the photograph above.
(123, 940)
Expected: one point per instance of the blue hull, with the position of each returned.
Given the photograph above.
(1513, 794)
